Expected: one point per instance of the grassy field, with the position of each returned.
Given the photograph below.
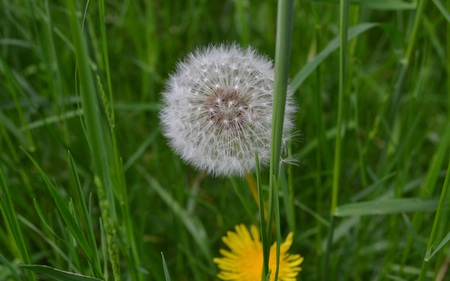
(89, 185)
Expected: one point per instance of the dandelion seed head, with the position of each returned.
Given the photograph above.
(217, 109)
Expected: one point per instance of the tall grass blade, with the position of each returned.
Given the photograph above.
(343, 31)
(102, 152)
(282, 57)
(343, 39)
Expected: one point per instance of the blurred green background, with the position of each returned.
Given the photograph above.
(396, 138)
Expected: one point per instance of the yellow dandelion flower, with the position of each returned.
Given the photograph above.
(245, 260)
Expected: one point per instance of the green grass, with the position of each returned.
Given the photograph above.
(90, 190)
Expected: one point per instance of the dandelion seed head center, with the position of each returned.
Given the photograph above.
(226, 108)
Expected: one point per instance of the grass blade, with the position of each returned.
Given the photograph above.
(387, 206)
(13, 89)
(85, 218)
(71, 222)
(238, 190)
(166, 271)
(343, 39)
(282, 57)
(438, 220)
(334, 44)
(58, 274)
(263, 221)
(192, 224)
(102, 152)
(442, 9)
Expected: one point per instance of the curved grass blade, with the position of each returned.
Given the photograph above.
(334, 44)
(57, 274)
(282, 59)
(430, 254)
(192, 224)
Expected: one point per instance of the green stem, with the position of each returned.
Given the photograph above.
(342, 83)
(265, 242)
(282, 56)
(415, 29)
(343, 23)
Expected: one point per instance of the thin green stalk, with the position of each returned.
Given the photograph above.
(343, 23)
(429, 184)
(414, 32)
(264, 240)
(320, 135)
(344, 4)
(282, 56)
(438, 220)
(359, 145)
(277, 227)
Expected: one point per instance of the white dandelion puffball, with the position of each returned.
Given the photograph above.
(217, 110)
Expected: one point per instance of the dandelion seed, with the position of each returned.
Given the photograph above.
(231, 116)
(244, 261)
